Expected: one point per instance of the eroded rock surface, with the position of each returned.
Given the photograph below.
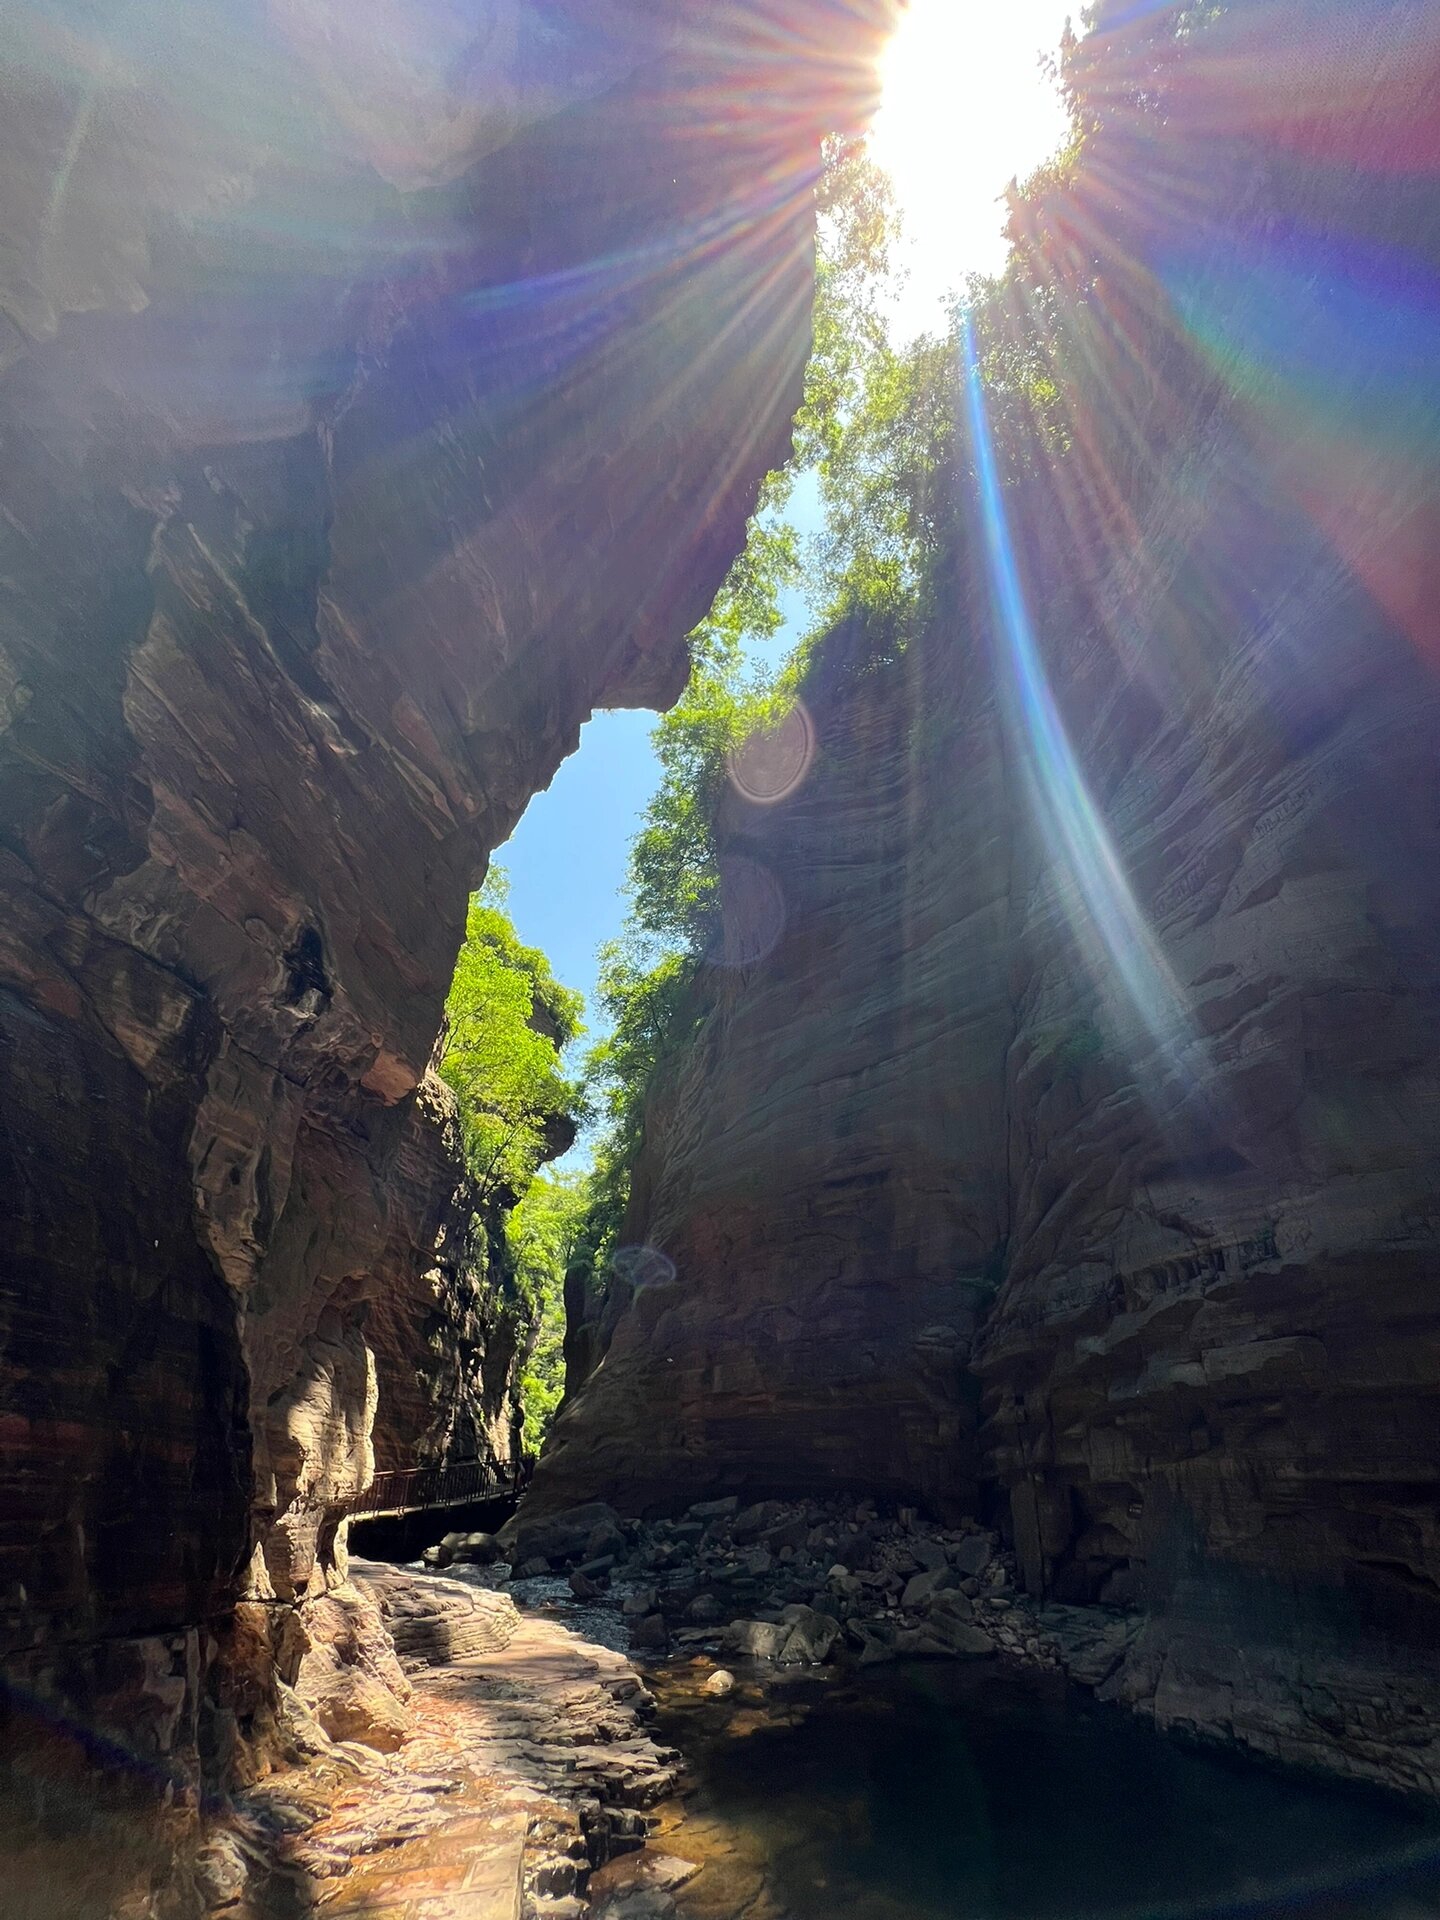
(382, 394)
(1059, 1131)
(447, 1331)
(524, 1765)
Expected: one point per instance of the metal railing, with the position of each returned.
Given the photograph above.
(450, 1484)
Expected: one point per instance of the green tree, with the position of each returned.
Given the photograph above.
(542, 1232)
(645, 988)
(507, 1022)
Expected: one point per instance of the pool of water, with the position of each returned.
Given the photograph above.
(930, 1791)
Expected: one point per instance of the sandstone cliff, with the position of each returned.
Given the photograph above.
(383, 392)
(448, 1331)
(1067, 1141)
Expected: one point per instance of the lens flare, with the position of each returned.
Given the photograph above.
(752, 913)
(967, 105)
(770, 763)
(1095, 891)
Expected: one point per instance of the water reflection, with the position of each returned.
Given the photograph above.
(934, 1792)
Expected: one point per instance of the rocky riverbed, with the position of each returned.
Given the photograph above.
(799, 1583)
(830, 1710)
(874, 1722)
(483, 1770)
(806, 1582)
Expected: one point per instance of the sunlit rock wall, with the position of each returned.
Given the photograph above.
(449, 1331)
(384, 390)
(1104, 977)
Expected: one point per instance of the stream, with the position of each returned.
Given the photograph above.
(930, 1790)
(945, 1790)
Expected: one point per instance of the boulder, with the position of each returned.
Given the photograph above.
(650, 1632)
(930, 1553)
(948, 1628)
(581, 1533)
(719, 1684)
(762, 1639)
(750, 1524)
(972, 1555)
(921, 1588)
(963, 1642)
(790, 1533)
(812, 1635)
(715, 1509)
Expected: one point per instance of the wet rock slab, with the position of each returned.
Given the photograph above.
(528, 1765)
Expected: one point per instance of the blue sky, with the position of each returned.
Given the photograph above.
(566, 859)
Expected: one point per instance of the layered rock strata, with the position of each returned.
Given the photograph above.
(1061, 1118)
(526, 1765)
(449, 1330)
(823, 1170)
(381, 394)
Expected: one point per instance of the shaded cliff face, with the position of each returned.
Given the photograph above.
(1099, 1008)
(447, 1331)
(823, 1167)
(381, 395)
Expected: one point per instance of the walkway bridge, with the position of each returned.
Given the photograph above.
(453, 1483)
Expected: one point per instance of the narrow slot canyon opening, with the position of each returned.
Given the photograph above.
(853, 1330)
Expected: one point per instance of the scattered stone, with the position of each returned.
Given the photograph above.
(650, 1632)
(583, 1587)
(761, 1638)
(715, 1509)
(972, 1555)
(720, 1683)
(532, 1569)
(921, 1588)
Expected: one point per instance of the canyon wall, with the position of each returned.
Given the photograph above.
(448, 1331)
(382, 392)
(823, 1170)
(1061, 1135)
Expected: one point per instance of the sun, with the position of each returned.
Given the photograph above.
(966, 106)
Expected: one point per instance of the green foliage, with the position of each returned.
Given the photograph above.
(857, 391)
(873, 425)
(507, 1020)
(542, 1232)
